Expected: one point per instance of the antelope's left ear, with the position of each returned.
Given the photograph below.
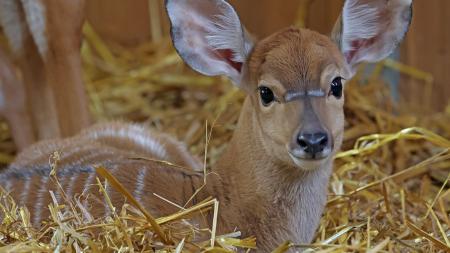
(369, 30)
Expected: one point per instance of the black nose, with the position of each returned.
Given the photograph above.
(312, 143)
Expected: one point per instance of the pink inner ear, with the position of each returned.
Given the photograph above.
(227, 55)
(357, 46)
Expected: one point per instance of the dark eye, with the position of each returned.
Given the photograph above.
(336, 87)
(266, 94)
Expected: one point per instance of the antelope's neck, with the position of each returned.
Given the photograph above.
(261, 195)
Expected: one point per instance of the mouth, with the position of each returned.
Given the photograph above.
(309, 161)
(300, 154)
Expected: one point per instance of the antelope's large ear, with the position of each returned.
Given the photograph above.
(208, 35)
(369, 30)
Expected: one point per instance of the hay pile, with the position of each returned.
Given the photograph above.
(388, 193)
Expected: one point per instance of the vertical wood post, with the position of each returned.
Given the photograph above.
(427, 48)
(63, 67)
(13, 104)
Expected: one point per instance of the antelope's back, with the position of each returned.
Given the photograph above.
(106, 141)
(134, 155)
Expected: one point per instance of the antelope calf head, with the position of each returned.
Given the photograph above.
(294, 78)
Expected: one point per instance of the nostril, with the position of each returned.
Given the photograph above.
(323, 140)
(302, 142)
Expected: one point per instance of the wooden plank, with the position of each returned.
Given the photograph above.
(124, 22)
(63, 67)
(128, 23)
(14, 103)
(427, 48)
(323, 15)
(264, 17)
(38, 92)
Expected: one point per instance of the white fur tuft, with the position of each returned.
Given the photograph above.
(37, 21)
(138, 135)
(12, 23)
(359, 21)
(372, 29)
(200, 28)
(225, 32)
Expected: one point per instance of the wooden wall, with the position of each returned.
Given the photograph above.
(426, 47)
(120, 21)
(129, 22)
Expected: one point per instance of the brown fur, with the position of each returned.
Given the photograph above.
(295, 60)
(255, 167)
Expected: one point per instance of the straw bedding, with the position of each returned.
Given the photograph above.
(388, 193)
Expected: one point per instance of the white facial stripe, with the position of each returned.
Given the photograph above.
(315, 93)
(291, 96)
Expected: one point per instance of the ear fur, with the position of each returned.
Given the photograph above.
(370, 30)
(208, 35)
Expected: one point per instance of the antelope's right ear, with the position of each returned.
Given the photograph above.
(208, 35)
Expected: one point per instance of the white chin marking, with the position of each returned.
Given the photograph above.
(296, 160)
(307, 164)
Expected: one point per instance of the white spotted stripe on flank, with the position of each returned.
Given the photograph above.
(88, 182)
(26, 188)
(138, 135)
(40, 200)
(140, 184)
(8, 186)
(57, 195)
(71, 184)
(108, 192)
(79, 160)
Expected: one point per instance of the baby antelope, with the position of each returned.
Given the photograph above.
(271, 181)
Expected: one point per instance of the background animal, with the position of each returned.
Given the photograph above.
(47, 91)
